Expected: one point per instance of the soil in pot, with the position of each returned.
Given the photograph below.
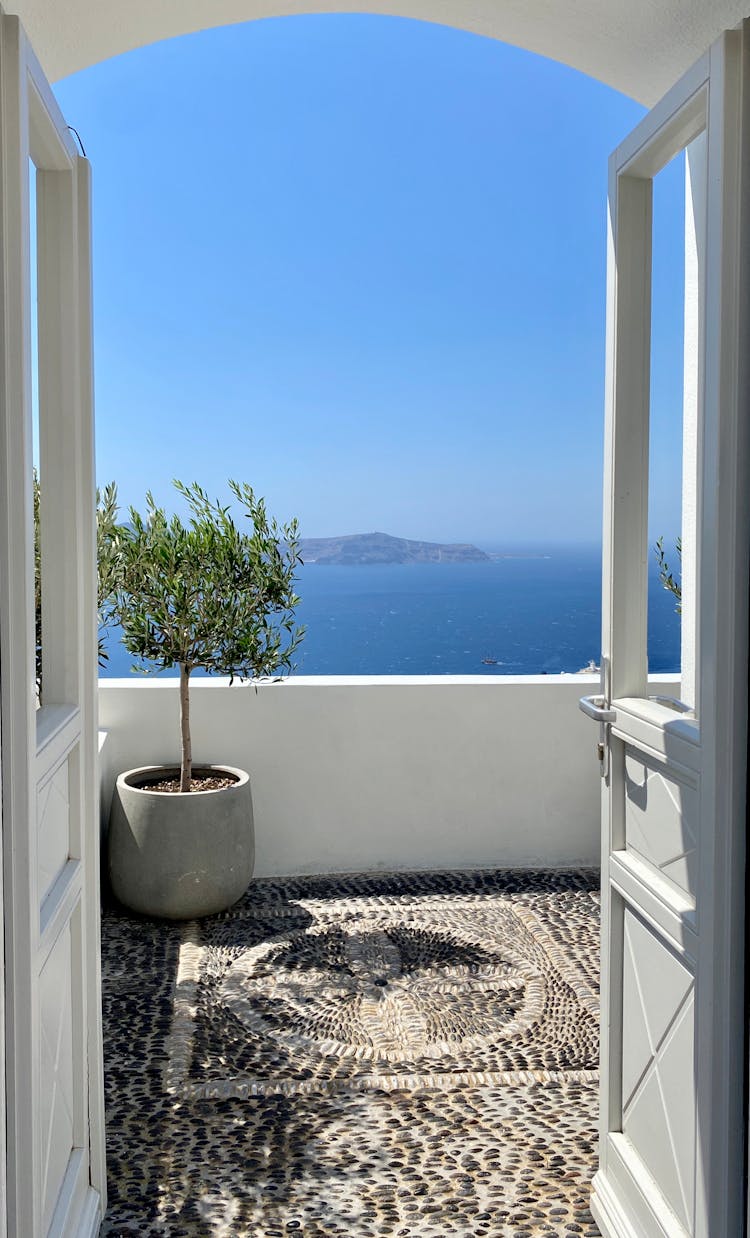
(202, 782)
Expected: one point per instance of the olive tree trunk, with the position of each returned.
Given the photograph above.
(186, 753)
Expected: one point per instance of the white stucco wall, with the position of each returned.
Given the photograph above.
(398, 773)
(638, 46)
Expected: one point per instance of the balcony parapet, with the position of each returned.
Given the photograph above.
(367, 773)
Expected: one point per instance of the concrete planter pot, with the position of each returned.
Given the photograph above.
(179, 855)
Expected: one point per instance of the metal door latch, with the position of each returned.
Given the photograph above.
(596, 707)
(599, 709)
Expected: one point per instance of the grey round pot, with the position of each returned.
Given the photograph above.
(179, 855)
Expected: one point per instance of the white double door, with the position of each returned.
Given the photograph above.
(674, 790)
(53, 1130)
(674, 772)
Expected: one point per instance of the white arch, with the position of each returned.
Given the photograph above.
(638, 46)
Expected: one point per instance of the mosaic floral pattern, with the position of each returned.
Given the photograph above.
(409, 1055)
(389, 992)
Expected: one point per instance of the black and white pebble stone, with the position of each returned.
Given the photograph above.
(408, 1055)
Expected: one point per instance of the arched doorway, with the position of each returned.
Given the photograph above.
(739, 550)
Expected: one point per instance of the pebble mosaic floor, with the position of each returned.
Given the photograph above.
(389, 1056)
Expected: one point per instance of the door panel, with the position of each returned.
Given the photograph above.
(50, 815)
(658, 1109)
(661, 818)
(57, 1082)
(53, 823)
(674, 772)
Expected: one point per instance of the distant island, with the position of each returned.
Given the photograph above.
(363, 548)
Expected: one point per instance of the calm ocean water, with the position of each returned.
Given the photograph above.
(532, 615)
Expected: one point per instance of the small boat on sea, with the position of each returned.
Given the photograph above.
(489, 661)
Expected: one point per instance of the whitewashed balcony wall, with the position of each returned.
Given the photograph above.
(360, 774)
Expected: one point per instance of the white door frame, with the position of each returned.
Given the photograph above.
(704, 925)
(54, 912)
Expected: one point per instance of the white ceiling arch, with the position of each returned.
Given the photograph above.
(638, 46)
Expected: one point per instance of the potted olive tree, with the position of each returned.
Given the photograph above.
(201, 594)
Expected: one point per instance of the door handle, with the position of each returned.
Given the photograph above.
(596, 707)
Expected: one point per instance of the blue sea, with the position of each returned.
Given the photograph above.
(529, 614)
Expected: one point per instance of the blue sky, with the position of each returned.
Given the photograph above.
(359, 262)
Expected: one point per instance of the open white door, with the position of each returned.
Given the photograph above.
(674, 774)
(53, 1056)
